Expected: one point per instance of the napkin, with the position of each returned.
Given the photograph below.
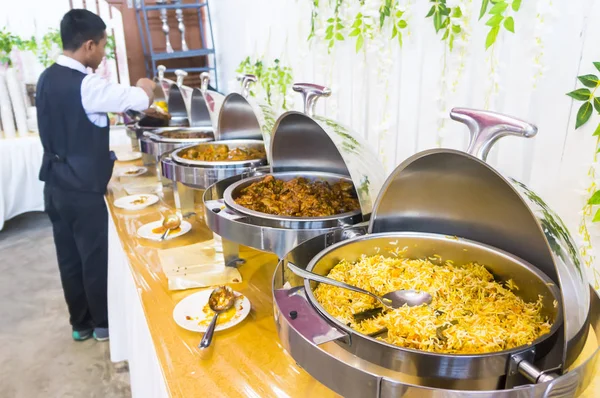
(197, 265)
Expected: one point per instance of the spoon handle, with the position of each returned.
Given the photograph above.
(164, 235)
(323, 279)
(207, 338)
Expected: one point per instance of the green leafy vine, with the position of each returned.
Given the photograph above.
(591, 102)
(275, 79)
(499, 17)
(445, 19)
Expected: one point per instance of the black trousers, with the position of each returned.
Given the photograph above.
(80, 226)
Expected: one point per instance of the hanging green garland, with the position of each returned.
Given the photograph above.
(275, 79)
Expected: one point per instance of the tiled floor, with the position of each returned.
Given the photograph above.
(37, 356)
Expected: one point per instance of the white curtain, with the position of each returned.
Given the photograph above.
(399, 98)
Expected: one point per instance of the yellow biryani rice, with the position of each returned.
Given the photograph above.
(470, 312)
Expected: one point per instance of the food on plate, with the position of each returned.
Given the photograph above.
(155, 117)
(185, 134)
(133, 171)
(162, 105)
(221, 152)
(161, 230)
(140, 200)
(299, 197)
(470, 313)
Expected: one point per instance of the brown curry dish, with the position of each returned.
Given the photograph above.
(299, 197)
(182, 134)
(221, 152)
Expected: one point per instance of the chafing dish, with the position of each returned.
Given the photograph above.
(205, 105)
(302, 145)
(455, 205)
(241, 121)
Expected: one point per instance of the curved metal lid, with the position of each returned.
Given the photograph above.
(241, 117)
(161, 91)
(176, 101)
(205, 104)
(303, 142)
(455, 193)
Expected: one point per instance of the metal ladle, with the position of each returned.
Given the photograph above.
(221, 299)
(391, 300)
(170, 222)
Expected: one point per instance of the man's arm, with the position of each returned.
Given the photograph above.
(98, 95)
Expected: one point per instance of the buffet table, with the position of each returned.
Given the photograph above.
(244, 361)
(21, 191)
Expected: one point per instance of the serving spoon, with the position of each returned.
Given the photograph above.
(221, 299)
(170, 222)
(391, 300)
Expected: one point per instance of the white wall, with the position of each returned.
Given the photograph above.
(399, 98)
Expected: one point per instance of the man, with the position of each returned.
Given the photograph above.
(72, 116)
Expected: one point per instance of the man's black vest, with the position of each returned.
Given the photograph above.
(76, 151)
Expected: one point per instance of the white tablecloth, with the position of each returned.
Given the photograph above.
(20, 189)
(130, 338)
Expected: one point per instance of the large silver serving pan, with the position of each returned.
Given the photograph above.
(433, 197)
(301, 144)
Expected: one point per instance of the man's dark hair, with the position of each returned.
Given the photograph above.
(79, 26)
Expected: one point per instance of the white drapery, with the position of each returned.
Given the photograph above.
(20, 189)
(399, 98)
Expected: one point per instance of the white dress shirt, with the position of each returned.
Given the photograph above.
(99, 96)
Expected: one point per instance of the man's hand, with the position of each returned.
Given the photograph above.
(148, 86)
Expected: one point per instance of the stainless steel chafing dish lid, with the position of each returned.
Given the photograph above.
(241, 117)
(176, 101)
(205, 104)
(454, 193)
(161, 92)
(306, 142)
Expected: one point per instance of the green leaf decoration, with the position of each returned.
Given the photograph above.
(394, 31)
(582, 94)
(356, 32)
(359, 42)
(583, 114)
(509, 24)
(595, 199)
(499, 7)
(339, 36)
(494, 20)
(516, 4)
(597, 132)
(484, 6)
(589, 80)
(491, 37)
(596, 216)
(437, 21)
(446, 33)
(456, 29)
(456, 12)
(431, 11)
(597, 104)
(597, 65)
(331, 20)
(402, 24)
(400, 39)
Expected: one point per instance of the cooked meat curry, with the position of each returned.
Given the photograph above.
(221, 152)
(299, 197)
(185, 134)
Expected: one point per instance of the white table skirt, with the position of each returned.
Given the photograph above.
(20, 189)
(130, 338)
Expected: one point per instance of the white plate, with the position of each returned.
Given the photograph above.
(188, 312)
(132, 171)
(145, 231)
(128, 156)
(128, 202)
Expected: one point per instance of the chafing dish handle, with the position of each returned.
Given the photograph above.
(181, 74)
(487, 127)
(161, 72)
(310, 94)
(204, 80)
(246, 81)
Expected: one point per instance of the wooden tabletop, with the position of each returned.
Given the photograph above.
(246, 360)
